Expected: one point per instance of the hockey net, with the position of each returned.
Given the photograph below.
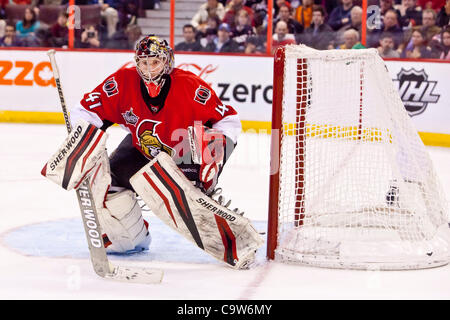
(352, 185)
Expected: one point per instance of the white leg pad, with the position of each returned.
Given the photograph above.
(224, 234)
(119, 213)
(123, 223)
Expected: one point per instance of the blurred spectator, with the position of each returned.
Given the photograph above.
(319, 35)
(89, 38)
(429, 17)
(385, 6)
(276, 7)
(429, 26)
(253, 45)
(210, 33)
(260, 21)
(391, 25)
(2, 27)
(410, 14)
(282, 36)
(233, 7)
(2, 17)
(222, 43)
(257, 5)
(128, 13)
(356, 18)
(431, 4)
(27, 27)
(444, 14)
(10, 39)
(109, 12)
(340, 16)
(35, 3)
(20, 2)
(284, 14)
(328, 5)
(208, 9)
(355, 24)
(123, 38)
(303, 13)
(419, 49)
(59, 31)
(133, 34)
(386, 48)
(189, 43)
(403, 5)
(29, 24)
(110, 15)
(443, 46)
(150, 4)
(351, 39)
(242, 29)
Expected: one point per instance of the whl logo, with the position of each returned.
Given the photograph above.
(415, 90)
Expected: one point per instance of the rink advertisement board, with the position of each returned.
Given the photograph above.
(28, 90)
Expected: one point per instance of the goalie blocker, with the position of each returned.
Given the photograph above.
(224, 234)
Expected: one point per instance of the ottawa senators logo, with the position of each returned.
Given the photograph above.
(110, 87)
(149, 140)
(202, 94)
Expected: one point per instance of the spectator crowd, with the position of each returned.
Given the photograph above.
(398, 28)
(45, 23)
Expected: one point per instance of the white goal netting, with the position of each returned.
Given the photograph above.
(357, 187)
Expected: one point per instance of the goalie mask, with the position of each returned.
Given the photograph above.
(154, 59)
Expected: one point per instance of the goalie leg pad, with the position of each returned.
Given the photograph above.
(122, 222)
(76, 157)
(119, 214)
(224, 234)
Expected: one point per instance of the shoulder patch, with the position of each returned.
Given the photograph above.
(202, 94)
(110, 87)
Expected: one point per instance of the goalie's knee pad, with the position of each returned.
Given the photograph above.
(123, 226)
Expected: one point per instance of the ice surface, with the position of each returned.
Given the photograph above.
(43, 254)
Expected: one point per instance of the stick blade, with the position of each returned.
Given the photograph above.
(136, 275)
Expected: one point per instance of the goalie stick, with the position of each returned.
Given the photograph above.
(102, 266)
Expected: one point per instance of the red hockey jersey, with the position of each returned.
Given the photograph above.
(155, 123)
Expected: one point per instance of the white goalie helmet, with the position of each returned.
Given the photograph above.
(154, 58)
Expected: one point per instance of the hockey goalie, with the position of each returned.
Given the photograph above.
(180, 137)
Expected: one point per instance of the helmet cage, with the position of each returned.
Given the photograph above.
(152, 46)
